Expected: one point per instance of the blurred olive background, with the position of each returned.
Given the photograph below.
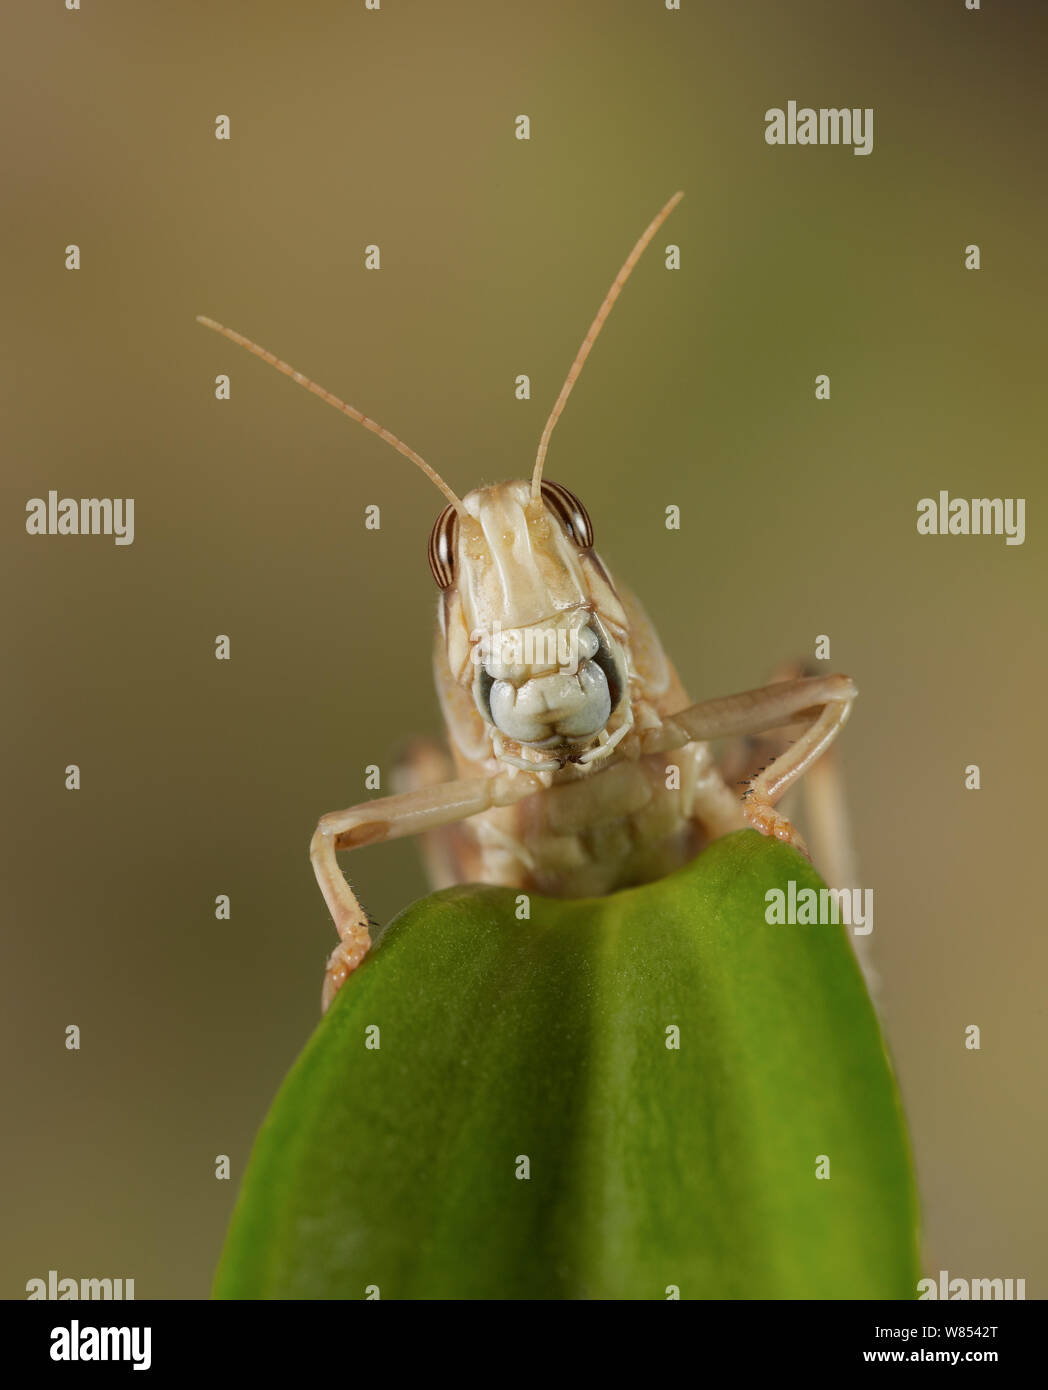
(203, 777)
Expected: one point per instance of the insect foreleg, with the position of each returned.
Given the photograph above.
(390, 818)
(827, 818)
(822, 703)
(825, 811)
(425, 763)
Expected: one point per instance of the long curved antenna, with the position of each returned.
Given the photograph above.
(325, 395)
(591, 337)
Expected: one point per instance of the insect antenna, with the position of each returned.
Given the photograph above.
(325, 395)
(591, 337)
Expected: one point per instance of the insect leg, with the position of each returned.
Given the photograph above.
(823, 808)
(826, 810)
(426, 763)
(390, 818)
(821, 703)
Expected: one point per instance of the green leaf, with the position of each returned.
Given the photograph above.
(650, 1167)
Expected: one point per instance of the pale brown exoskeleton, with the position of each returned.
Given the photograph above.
(560, 707)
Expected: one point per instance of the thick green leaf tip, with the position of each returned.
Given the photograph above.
(527, 1129)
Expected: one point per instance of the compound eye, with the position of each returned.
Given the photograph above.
(442, 547)
(570, 512)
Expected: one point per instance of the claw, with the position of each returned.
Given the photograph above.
(769, 822)
(343, 960)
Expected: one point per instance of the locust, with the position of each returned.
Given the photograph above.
(576, 763)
